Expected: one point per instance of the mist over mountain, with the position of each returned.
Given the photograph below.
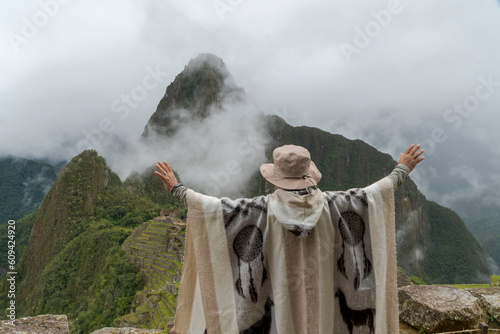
(23, 184)
(424, 243)
(394, 92)
(208, 128)
(215, 138)
(203, 88)
(460, 173)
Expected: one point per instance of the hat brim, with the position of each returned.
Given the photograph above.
(269, 172)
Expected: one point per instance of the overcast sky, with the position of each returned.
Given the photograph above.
(387, 72)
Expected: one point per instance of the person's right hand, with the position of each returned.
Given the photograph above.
(412, 156)
(166, 175)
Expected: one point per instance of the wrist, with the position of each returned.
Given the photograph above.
(176, 186)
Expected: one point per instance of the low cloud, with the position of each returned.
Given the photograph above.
(216, 155)
(395, 92)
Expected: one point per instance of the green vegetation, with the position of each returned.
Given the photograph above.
(155, 304)
(483, 220)
(487, 232)
(90, 280)
(73, 263)
(147, 185)
(453, 255)
(469, 286)
(415, 280)
(124, 208)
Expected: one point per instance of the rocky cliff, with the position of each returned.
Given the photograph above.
(441, 308)
(201, 88)
(46, 324)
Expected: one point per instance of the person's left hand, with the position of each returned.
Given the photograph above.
(166, 175)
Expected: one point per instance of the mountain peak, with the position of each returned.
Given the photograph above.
(202, 87)
(207, 59)
(67, 209)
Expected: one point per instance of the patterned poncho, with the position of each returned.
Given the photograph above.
(287, 263)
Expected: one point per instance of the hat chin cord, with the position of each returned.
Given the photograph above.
(310, 179)
(304, 177)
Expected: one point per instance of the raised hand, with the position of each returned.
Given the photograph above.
(166, 175)
(412, 156)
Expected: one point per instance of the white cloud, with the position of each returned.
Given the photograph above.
(285, 55)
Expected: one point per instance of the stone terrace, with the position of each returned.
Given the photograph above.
(157, 246)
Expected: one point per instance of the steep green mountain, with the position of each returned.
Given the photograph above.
(446, 225)
(487, 233)
(433, 242)
(426, 233)
(483, 220)
(73, 263)
(23, 184)
(147, 185)
(67, 211)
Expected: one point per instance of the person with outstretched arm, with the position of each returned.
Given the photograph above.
(298, 260)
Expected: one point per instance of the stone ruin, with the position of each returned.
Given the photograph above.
(441, 308)
(157, 247)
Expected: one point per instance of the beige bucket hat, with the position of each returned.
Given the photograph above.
(292, 168)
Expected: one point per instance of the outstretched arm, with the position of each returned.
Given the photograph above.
(407, 162)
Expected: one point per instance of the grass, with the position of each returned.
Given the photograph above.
(468, 286)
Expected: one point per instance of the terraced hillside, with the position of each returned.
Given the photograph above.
(157, 246)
